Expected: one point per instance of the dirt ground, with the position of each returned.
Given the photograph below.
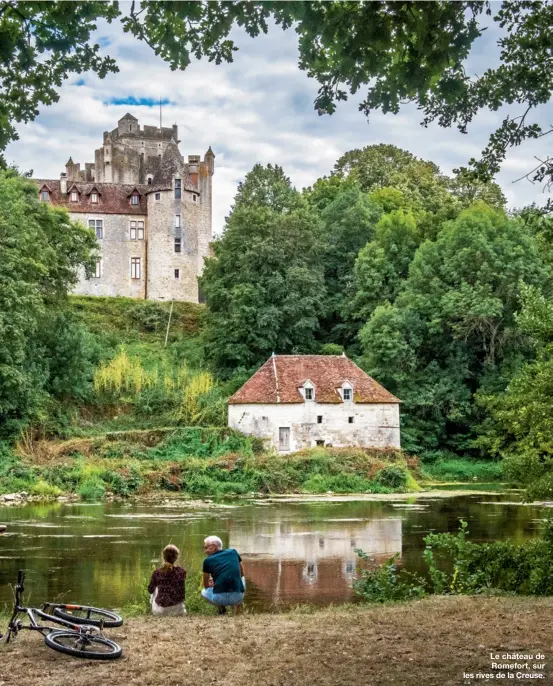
(432, 642)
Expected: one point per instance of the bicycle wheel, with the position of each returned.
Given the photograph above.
(79, 645)
(93, 616)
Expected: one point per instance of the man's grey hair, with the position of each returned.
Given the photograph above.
(214, 540)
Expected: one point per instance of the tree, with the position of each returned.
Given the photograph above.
(41, 251)
(347, 223)
(383, 264)
(264, 287)
(452, 325)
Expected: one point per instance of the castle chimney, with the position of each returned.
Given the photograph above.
(63, 183)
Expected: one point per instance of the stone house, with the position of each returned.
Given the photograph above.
(151, 211)
(301, 401)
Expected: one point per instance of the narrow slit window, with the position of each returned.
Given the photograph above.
(140, 230)
(133, 231)
(158, 196)
(135, 268)
(177, 273)
(177, 221)
(319, 419)
(98, 269)
(177, 188)
(350, 420)
(178, 244)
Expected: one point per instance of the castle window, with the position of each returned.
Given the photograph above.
(44, 196)
(74, 196)
(178, 244)
(350, 420)
(319, 419)
(97, 270)
(177, 273)
(194, 198)
(149, 181)
(134, 199)
(347, 393)
(177, 188)
(137, 231)
(98, 226)
(135, 268)
(177, 221)
(94, 197)
(158, 196)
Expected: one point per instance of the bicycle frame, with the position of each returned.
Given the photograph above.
(32, 613)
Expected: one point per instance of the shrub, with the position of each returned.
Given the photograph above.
(392, 476)
(92, 488)
(45, 489)
(384, 583)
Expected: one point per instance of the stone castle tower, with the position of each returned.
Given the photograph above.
(151, 211)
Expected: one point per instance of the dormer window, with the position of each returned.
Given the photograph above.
(74, 196)
(308, 391)
(347, 393)
(135, 198)
(94, 198)
(44, 196)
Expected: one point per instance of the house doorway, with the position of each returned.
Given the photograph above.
(284, 438)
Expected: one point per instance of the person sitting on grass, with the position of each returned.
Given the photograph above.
(224, 580)
(167, 585)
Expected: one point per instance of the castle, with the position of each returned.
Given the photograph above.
(150, 209)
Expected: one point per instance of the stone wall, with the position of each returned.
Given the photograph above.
(116, 252)
(162, 258)
(374, 425)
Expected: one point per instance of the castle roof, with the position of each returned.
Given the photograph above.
(279, 379)
(128, 116)
(114, 197)
(171, 164)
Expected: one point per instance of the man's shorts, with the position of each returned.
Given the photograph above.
(223, 599)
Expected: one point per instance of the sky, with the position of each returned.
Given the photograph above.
(258, 109)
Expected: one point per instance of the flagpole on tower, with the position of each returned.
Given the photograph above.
(160, 112)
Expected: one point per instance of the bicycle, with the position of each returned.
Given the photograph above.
(82, 635)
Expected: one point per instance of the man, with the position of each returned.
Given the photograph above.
(224, 582)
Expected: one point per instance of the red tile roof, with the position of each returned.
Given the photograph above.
(114, 197)
(280, 377)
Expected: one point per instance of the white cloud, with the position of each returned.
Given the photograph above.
(257, 109)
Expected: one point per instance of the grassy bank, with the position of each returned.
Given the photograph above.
(432, 642)
(196, 462)
(460, 470)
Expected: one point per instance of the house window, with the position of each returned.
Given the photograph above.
(350, 420)
(319, 419)
(94, 197)
(284, 438)
(177, 221)
(44, 196)
(158, 196)
(135, 268)
(309, 394)
(74, 196)
(178, 244)
(177, 273)
(134, 199)
(177, 188)
(137, 231)
(347, 393)
(98, 226)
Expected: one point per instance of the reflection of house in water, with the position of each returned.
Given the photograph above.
(288, 564)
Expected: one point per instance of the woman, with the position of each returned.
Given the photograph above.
(167, 585)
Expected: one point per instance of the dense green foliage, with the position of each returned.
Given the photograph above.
(44, 353)
(455, 565)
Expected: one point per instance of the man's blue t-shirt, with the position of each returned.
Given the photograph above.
(224, 567)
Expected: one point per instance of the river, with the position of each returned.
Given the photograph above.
(295, 550)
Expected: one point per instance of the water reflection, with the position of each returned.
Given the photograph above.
(293, 551)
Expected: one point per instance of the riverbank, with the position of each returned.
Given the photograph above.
(431, 642)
